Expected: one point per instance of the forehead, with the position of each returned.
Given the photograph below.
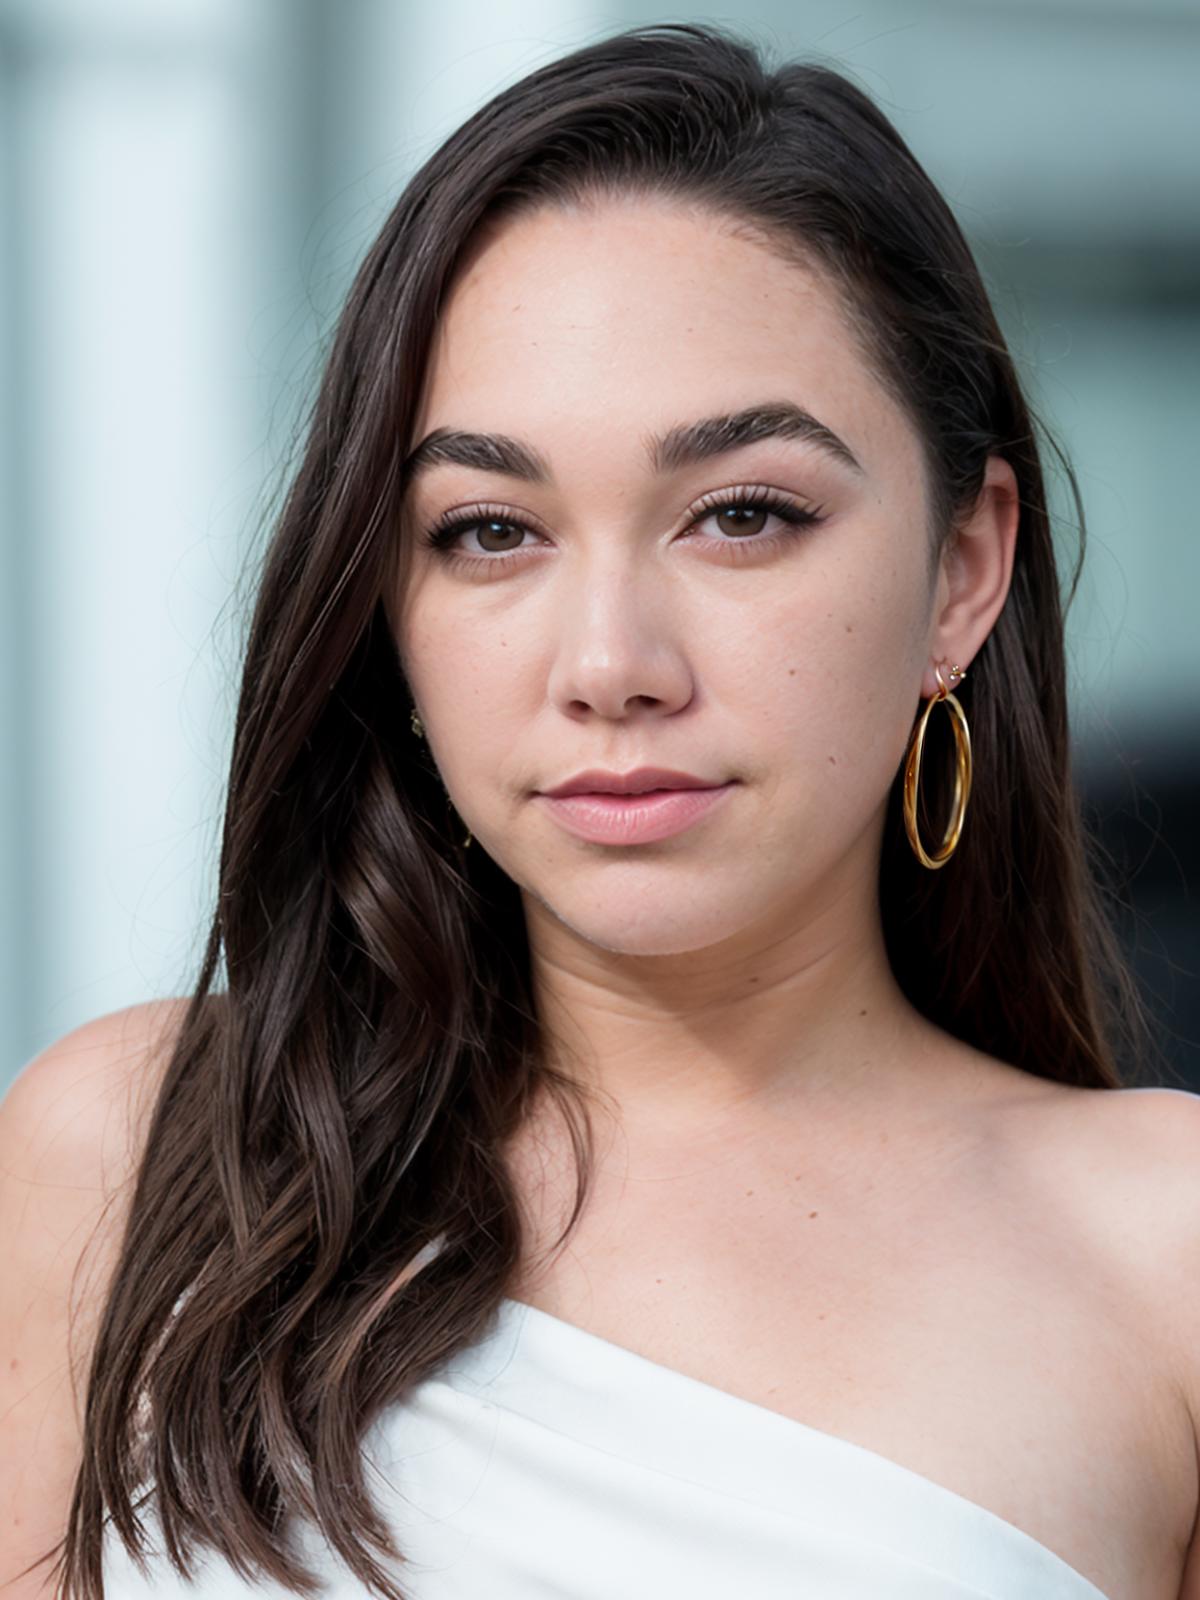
(643, 310)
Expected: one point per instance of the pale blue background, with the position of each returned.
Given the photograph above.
(186, 187)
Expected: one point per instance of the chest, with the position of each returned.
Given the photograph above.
(933, 1313)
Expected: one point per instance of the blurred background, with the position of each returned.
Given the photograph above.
(186, 189)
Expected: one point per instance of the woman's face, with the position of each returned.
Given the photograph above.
(618, 604)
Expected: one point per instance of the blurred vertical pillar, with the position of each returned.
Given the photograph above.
(136, 254)
(16, 881)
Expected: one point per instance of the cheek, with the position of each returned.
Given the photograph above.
(445, 647)
(484, 707)
(862, 629)
(837, 680)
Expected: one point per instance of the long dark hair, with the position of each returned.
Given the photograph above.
(343, 1101)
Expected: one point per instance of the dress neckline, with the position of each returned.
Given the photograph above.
(544, 1328)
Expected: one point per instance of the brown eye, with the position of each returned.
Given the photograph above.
(740, 512)
(741, 519)
(506, 534)
(744, 514)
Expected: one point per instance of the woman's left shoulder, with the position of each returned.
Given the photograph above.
(1147, 1137)
(1146, 1146)
(1121, 1168)
(1131, 1152)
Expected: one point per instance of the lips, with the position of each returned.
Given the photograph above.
(641, 780)
(630, 816)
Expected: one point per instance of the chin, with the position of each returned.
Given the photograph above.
(639, 921)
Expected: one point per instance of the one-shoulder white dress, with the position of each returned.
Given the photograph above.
(547, 1463)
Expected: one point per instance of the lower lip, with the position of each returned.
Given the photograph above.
(633, 818)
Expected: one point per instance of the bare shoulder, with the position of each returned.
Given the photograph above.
(1155, 1135)
(1159, 1130)
(72, 1126)
(79, 1108)
(1171, 1121)
(1120, 1166)
(1131, 1156)
(1119, 1170)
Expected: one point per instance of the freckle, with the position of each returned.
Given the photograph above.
(849, 629)
(863, 1012)
(749, 1192)
(791, 672)
(812, 1214)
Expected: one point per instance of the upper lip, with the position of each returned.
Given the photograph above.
(595, 781)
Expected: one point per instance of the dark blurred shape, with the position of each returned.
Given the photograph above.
(1141, 797)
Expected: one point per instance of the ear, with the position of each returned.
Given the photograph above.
(974, 573)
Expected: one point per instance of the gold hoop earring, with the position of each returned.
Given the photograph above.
(962, 773)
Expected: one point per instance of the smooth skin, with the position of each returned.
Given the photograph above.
(710, 975)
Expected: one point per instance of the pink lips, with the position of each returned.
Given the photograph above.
(606, 818)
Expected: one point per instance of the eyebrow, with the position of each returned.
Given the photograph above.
(679, 447)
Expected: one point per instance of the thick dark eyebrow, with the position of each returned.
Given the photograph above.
(678, 447)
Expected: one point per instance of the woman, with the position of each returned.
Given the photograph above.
(654, 706)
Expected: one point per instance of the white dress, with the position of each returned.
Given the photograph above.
(547, 1463)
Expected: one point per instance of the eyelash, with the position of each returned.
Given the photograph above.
(441, 536)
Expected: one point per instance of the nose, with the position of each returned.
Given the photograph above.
(619, 647)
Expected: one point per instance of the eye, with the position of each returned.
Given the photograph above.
(498, 534)
(738, 514)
